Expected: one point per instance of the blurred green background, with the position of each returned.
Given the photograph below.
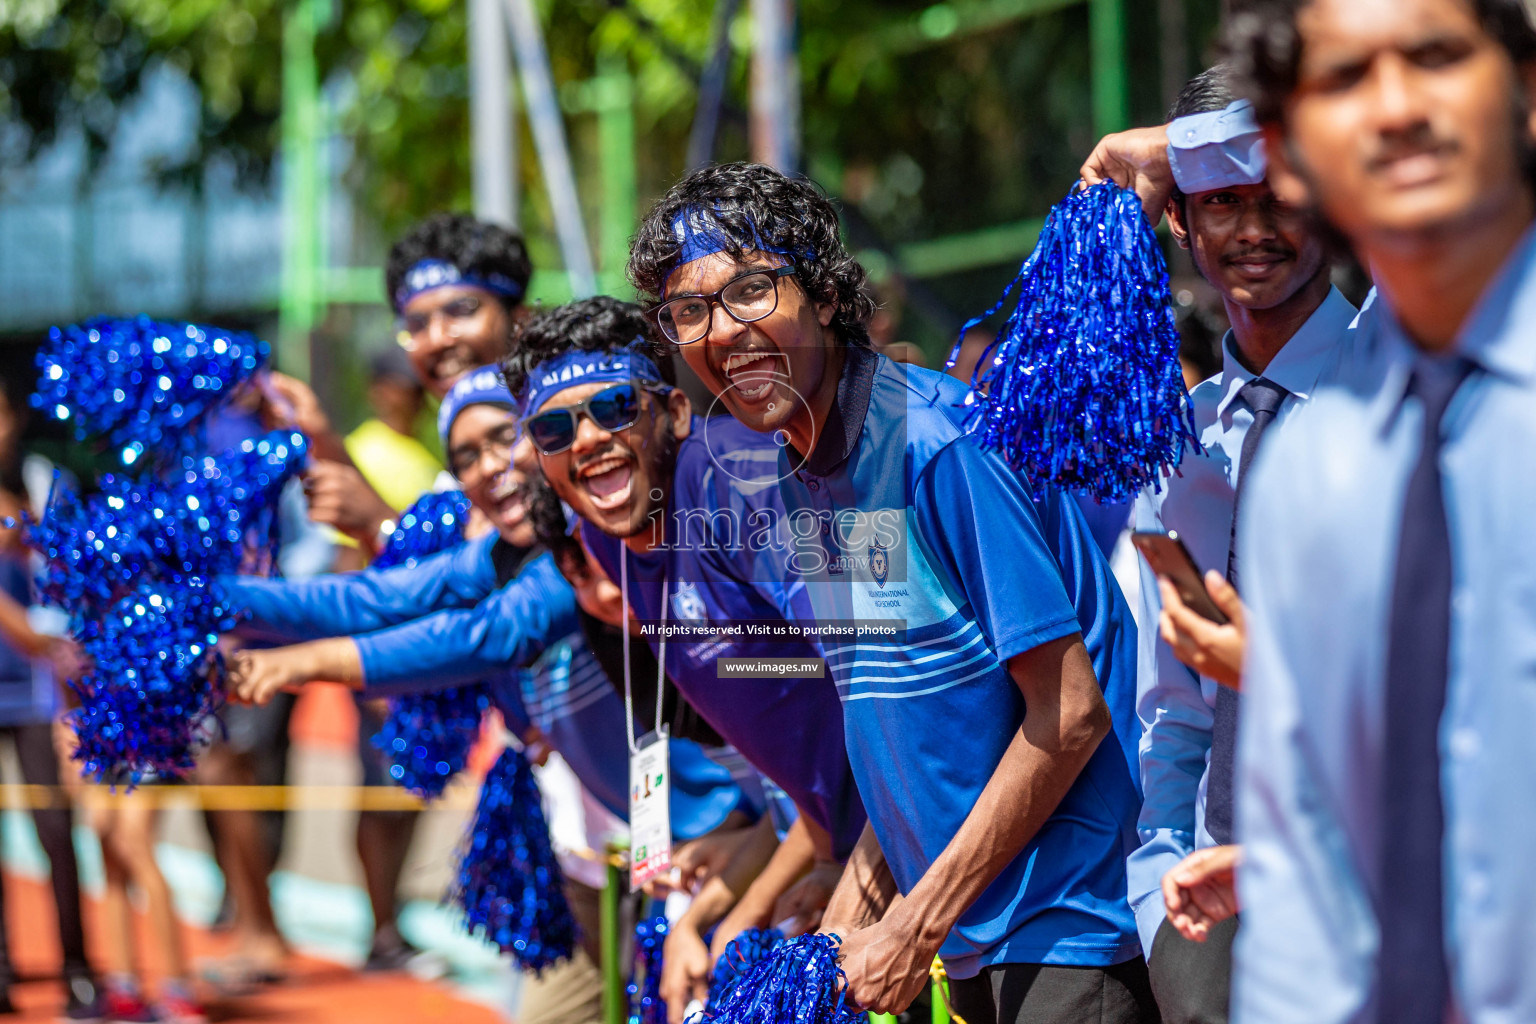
(143, 144)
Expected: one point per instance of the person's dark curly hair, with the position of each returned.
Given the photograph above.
(474, 246)
(547, 517)
(751, 202)
(1263, 46)
(599, 324)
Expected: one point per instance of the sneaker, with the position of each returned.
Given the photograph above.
(180, 1008)
(128, 1008)
(424, 965)
(84, 1003)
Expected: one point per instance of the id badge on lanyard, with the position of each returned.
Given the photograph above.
(650, 770)
(650, 816)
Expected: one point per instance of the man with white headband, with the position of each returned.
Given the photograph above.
(1206, 170)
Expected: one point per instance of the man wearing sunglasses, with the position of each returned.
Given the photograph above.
(995, 741)
(487, 610)
(684, 513)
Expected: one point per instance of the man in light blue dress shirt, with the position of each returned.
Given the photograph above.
(1270, 267)
(1387, 799)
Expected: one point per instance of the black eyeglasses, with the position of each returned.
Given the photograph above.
(613, 408)
(462, 459)
(747, 298)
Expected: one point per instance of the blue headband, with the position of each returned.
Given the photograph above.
(577, 366)
(478, 387)
(1218, 149)
(699, 233)
(429, 275)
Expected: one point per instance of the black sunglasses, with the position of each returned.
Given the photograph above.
(613, 408)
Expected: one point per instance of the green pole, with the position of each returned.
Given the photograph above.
(614, 1010)
(1111, 97)
(940, 1005)
(298, 304)
(613, 98)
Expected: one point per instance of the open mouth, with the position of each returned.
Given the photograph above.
(753, 374)
(608, 481)
(510, 499)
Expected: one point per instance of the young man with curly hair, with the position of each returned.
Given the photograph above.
(994, 737)
(685, 514)
(1386, 801)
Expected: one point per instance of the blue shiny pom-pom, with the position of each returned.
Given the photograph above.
(427, 737)
(509, 884)
(1082, 389)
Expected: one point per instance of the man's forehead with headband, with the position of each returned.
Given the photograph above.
(577, 367)
(701, 232)
(431, 274)
(1218, 149)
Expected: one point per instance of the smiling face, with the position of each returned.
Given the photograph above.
(480, 447)
(619, 480)
(1255, 249)
(776, 373)
(1407, 118)
(452, 330)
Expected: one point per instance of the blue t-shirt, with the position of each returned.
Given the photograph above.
(723, 567)
(918, 523)
(444, 622)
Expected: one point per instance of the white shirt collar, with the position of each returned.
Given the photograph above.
(1299, 365)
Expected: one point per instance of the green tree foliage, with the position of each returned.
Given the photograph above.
(926, 118)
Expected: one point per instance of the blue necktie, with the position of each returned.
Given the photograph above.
(1264, 397)
(1413, 982)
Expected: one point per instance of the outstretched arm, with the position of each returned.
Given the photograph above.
(288, 611)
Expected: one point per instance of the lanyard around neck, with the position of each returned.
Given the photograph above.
(661, 659)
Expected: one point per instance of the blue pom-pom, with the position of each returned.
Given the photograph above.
(740, 955)
(799, 982)
(144, 386)
(645, 1003)
(1082, 389)
(509, 884)
(428, 736)
(149, 692)
(131, 565)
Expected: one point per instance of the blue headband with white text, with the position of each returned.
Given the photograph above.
(1217, 149)
(484, 386)
(577, 367)
(429, 275)
(699, 233)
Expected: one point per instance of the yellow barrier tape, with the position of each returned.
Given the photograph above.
(237, 798)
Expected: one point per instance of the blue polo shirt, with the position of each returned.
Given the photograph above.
(724, 566)
(917, 524)
(447, 620)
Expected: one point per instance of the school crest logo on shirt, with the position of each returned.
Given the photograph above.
(879, 563)
(687, 605)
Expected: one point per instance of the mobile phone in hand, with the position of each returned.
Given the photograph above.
(1171, 560)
